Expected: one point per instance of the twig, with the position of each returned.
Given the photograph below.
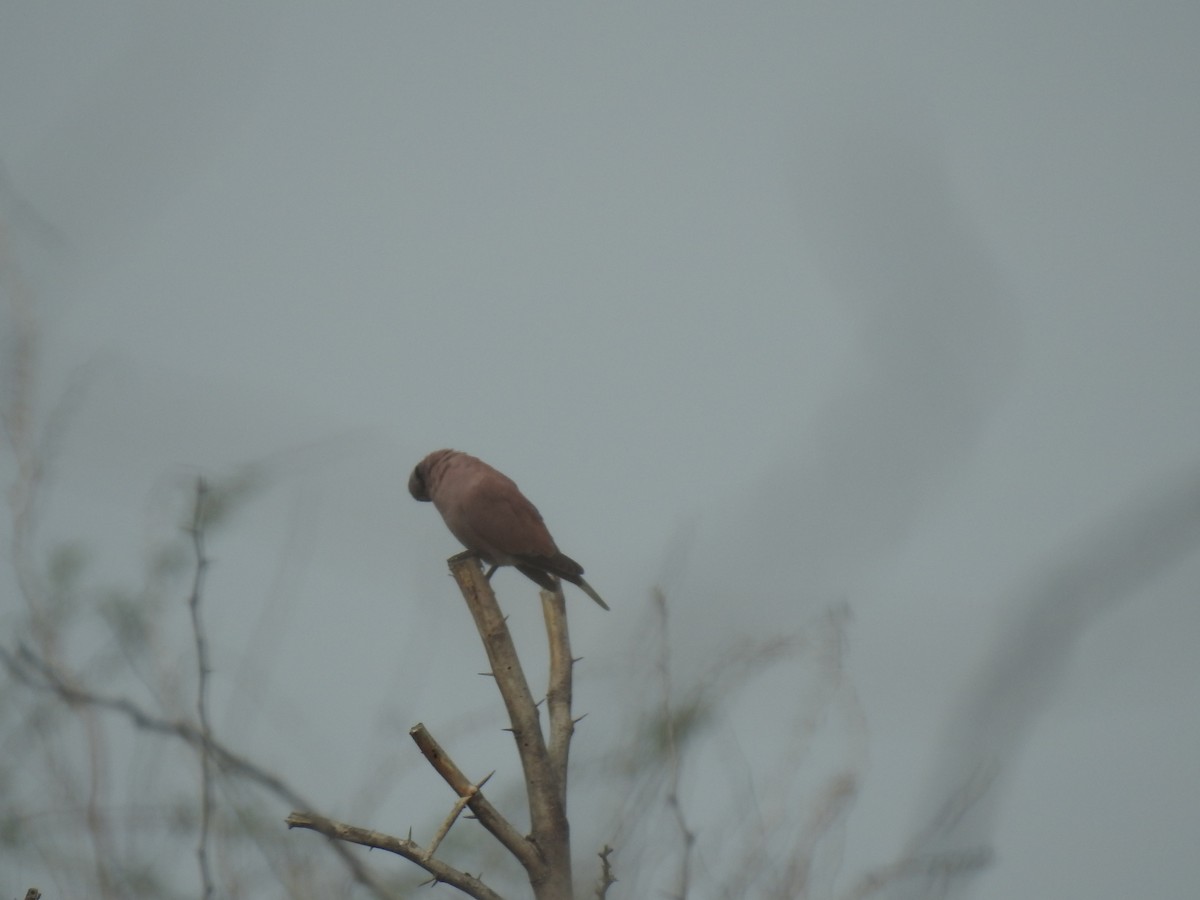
(607, 878)
(33, 451)
(489, 817)
(196, 529)
(459, 805)
(674, 762)
(941, 866)
(832, 807)
(409, 849)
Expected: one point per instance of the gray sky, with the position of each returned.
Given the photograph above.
(780, 306)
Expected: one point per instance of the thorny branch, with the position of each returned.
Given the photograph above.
(455, 811)
(550, 878)
(409, 849)
(545, 853)
(489, 817)
(558, 693)
(607, 878)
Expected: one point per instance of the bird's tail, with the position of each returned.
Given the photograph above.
(587, 589)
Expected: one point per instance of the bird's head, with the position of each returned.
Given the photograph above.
(417, 485)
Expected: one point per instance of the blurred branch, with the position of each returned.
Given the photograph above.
(31, 449)
(942, 867)
(30, 669)
(674, 761)
(1110, 564)
(829, 809)
(20, 351)
(196, 530)
(21, 355)
(777, 848)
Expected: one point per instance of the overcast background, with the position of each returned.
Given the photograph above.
(785, 307)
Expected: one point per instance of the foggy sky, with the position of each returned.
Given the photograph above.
(779, 307)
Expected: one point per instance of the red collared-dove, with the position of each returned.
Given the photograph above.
(487, 512)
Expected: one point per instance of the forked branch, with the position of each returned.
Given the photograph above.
(545, 853)
(488, 816)
(550, 832)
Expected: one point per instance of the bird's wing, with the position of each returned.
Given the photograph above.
(504, 519)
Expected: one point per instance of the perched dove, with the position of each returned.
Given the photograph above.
(487, 512)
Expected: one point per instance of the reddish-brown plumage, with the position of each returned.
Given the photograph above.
(487, 512)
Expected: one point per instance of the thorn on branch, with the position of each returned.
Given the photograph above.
(546, 859)
(488, 816)
(606, 874)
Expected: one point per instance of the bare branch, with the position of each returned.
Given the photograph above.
(459, 805)
(549, 826)
(409, 849)
(607, 879)
(489, 817)
(558, 694)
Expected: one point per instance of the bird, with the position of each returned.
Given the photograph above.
(490, 516)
